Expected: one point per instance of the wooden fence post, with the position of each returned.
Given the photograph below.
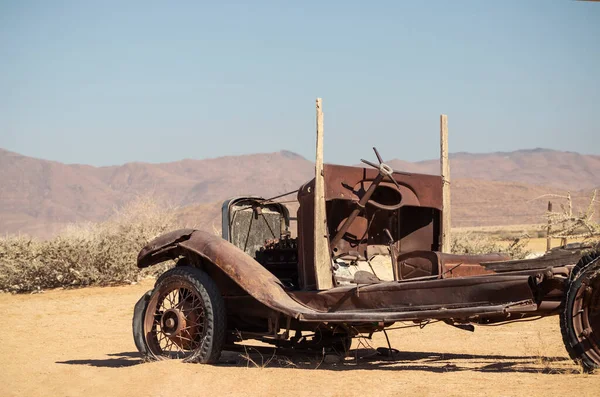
(322, 256)
(548, 238)
(445, 173)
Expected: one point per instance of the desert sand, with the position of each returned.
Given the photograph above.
(78, 343)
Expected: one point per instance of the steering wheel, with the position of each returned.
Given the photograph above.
(386, 172)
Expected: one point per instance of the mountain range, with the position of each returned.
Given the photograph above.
(40, 197)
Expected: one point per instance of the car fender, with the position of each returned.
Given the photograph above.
(246, 272)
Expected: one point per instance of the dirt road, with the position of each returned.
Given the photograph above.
(78, 343)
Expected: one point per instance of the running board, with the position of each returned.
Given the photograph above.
(431, 314)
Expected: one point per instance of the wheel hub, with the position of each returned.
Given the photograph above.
(173, 322)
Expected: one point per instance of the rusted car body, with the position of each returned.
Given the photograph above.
(383, 229)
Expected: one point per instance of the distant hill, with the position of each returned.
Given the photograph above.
(543, 167)
(40, 197)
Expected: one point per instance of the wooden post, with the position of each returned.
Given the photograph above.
(322, 257)
(548, 238)
(445, 173)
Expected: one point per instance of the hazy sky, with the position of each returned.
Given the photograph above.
(108, 82)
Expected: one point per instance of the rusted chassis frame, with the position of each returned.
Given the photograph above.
(257, 300)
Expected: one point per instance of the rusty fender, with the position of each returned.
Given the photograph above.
(248, 274)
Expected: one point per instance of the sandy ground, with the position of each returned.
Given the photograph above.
(538, 245)
(78, 342)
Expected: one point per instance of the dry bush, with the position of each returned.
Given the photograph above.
(475, 244)
(90, 254)
(570, 224)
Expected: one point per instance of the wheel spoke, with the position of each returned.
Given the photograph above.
(198, 306)
(162, 337)
(192, 325)
(170, 297)
(183, 337)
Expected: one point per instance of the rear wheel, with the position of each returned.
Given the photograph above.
(580, 320)
(184, 317)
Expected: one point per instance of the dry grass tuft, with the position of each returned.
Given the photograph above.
(89, 254)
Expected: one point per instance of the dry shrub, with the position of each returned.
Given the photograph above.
(89, 254)
(475, 244)
(570, 224)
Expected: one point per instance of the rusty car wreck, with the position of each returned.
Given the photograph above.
(381, 264)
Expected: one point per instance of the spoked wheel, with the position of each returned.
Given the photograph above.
(184, 318)
(580, 321)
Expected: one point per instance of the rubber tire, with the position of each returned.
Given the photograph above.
(583, 262)
(566, 324)
(139, 312)
(214, 309)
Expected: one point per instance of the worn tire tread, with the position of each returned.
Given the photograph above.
(565, 324)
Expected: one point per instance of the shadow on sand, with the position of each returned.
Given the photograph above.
(367, 359)
(116, 360)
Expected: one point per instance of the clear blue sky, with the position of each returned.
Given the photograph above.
(107, 82)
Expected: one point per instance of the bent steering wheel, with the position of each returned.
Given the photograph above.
(386, 172)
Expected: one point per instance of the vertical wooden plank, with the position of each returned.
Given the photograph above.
(548, 238)
(323, 274)
(445, 173)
